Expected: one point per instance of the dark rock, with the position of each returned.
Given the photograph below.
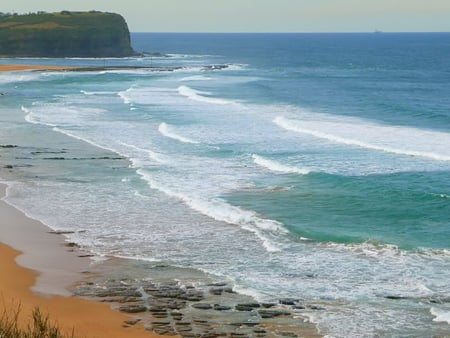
(161, 331)
(247, 306)
(8, 146)
(272, 313)
(267, 305)
(129, 299)
(315, 307)
(184, 328)
(61, 232)
(132, 321)
(217, 284)
(216, 291)
(119, 291)
(259, 331)
(192, 295)
(183, 323)
(160, 315)
(251, 324)
(133, 308)
(395, 297)
(219, 307)
(202, 306)
(220, 290)
(243, 308)
(161, 322)
(288, 301)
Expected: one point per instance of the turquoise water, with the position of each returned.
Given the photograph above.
(293, 165)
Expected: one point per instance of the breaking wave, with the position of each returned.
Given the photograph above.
(377, 133)
(167, 131)
(278, 167)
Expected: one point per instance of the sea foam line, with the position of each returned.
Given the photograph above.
(167, 131)
(220, 210)
(294, 126)
(278, 167)
(88, 93)
(195, 95)
(155, 156)
(32, 118)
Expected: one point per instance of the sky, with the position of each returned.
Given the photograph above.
(260, 15)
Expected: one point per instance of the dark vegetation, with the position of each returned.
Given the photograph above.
(64, 34)
(39, 327)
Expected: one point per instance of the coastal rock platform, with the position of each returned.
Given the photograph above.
(207, 310)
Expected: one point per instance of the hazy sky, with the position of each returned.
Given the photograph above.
(260, 15)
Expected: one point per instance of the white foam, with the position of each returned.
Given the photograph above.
(88, 93)
(155, 156)
(380, 137)
(84, 139)
(199, 96)
(221, 211)
(123, 95)
(167, 131)
(11, 77)
(147, 95)
(32, 118)
(278, 167)
(440, 315)
(196, 78)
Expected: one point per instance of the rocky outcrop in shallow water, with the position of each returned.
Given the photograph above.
(212, 310)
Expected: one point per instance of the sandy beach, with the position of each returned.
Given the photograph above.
(55, 266)
(18, 67)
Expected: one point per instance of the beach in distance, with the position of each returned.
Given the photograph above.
(257, 185)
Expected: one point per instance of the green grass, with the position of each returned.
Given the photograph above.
(64, 34)
(40, 326)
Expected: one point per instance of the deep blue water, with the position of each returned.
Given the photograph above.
(301, 164)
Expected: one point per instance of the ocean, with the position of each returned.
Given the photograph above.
(311, 166)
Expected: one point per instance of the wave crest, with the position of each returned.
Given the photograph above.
(167, 131)
(197, 95)
(278, 167)
(220, 210)
(375, 144)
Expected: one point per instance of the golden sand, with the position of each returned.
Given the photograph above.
(16, 67)
(87, 318)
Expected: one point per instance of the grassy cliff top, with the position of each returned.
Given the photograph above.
(64, 34)
(66, 19)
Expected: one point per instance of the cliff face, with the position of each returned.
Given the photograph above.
(65, 34)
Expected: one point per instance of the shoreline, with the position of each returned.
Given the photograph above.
(39, 268)
(36, 270)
